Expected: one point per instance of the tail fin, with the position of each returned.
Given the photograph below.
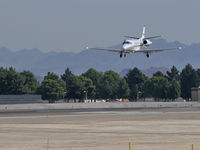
(143, 32)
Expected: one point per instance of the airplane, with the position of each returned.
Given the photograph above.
(135, 45)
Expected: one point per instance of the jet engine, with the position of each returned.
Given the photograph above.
(145, 42)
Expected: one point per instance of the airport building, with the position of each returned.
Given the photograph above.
(20, 99)
(195, 94)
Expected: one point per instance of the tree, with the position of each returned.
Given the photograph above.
(67, 76)
(188, 78)
(95, 76)
(74, 85)
(71, 82)
(110, 85)
(157, 87)
(123, 91)
(174, 89)
(135, 79)
(87, 88)
(52, 88)
(174, 79)
(3, 82)
(198, 77)
(173, 74)
(158, 74)
(30, 84)
(11, 81)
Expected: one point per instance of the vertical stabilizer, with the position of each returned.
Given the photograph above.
(143, 32)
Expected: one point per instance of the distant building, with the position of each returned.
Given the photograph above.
(20, 99)
(195, 93)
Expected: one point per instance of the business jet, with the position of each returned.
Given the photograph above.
(136, 45)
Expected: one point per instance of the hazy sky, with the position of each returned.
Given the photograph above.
(70, 25)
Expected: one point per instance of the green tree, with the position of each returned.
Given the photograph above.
(135, 79)
(52, 88)
(198, 77)
(174, 89)
(3, 82)
(95, 76)
(87, 88)
(71, 82)
(74, 90)
(158, 74)
(174, 79)
(110, 85)
(188, 78)
(67, 76)
(30, 84)
(157, 87)
(123, 90)
(12, 82)
(173, 74)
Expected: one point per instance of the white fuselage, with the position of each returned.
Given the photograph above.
(135, 44)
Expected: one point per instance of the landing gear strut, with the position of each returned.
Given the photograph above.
(147, 55)
(121, 55)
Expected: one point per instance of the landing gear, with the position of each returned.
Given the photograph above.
(121, 55)
(147, 55)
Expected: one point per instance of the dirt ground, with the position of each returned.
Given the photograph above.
(159, 129)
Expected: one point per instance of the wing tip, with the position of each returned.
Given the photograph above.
(180, 48)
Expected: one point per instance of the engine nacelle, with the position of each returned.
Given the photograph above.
(145, 42)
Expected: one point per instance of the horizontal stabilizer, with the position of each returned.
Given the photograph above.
(132, 37)
(153, 37)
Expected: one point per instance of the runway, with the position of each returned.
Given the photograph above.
(91, 107)
(100, 129)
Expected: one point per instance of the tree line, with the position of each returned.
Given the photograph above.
(98, 85)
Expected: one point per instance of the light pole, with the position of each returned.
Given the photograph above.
(138, 96)
(85, 95)
(64, 93)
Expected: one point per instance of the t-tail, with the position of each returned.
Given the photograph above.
(143, 33)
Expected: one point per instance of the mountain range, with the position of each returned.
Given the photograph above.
(40, 63)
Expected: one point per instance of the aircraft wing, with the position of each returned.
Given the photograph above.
(156, 50)
(107, 49)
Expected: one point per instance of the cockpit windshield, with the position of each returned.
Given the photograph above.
(126, 42)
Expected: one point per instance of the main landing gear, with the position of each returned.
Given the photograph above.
(121, 55)
(147, 55)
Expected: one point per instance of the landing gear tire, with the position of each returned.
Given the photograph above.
(124, 55)
(147, 55)
(120, 55)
